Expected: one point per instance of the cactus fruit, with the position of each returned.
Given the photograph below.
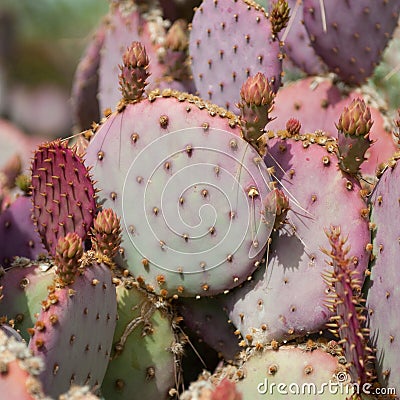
(69, 251)
(128, 22)
(354, 126)
(178, 73)
(146, 356)
(177, 38)
(220, 66)
(256, 104)
(382, 147)
(63, 195)
(226, 390)
(340, 34)
(106, 233)
(383, 293)
(168, 249)
(278, 302)
(133, 76)
(10, 171)
(293, 126)
(77, 322)
(25, 285)
(17, 232)
(346, 302)
(279, 14)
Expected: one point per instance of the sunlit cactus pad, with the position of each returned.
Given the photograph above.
(189, 191)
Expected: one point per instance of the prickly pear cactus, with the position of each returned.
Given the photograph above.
(318, 103)
(229, 41)
(346, 302)
(354, 126)
(130, 20)
(19, 370)
(187, 187)
(233, 207)
(25, 286)
(279, 303)
(145, 358)
(73, 332)
(200, 314)
(85, 105)
(297, 42)
(63, 195)
(308, 371)
(340, 33)
(294, 367)
(384, 293)
(17, 232)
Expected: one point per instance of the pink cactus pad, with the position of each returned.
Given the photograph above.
(188, 190)
(229, 41)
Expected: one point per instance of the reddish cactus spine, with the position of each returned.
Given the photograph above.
(354, 126)
(346, 302)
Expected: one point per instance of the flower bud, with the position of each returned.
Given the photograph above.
(279, 15)
(69, 250)
(106, 233)
(355, 119)
(293, 126)
(133, 75)
(257, 91)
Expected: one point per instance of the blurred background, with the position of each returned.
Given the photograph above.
(41, 42)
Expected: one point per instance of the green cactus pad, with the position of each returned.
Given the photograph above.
(142, 364)
(24, 289)
(293, 373)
